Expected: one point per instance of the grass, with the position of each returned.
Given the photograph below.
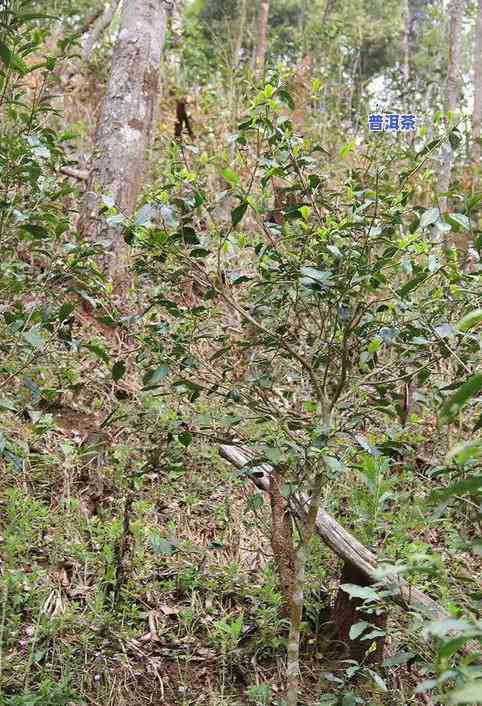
(197, 618)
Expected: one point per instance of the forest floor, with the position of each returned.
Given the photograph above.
(159, 588)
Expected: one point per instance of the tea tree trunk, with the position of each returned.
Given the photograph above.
(126, 126)
(456, 9)
(262, 37)
(477, 112)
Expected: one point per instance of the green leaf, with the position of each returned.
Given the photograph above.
(145, 215)
(155, 376)
(378, 680)
(118, 370)
(162, 546)
(465, 450)
(469, 694)
(473, 318)
(99, 351)
(199, 252)
(321, 276)
(286, 98)
(445, 330)
(5, 54)
(469, 485)
(373, 634)
(357, 629)
(452, 646)
(473, 201)
(65, 311)
(364, 592)
(412, 284)
(399, 658)
(255, 501)
(459, 219)
(463, 394)
(274, 455)
(346, 149)
(230, 176)
(238, 213)
(6, 404)
(34, 337)
(185, 438)
(38, 232)
(429, 217)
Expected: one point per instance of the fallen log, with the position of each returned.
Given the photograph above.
(340, 541)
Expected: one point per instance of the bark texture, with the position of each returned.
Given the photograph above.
(127, 121)
(282, 542)
(456, 9)
(340, 541)
(477, 112)
(262, 42)
(346, 613)
(406, 43)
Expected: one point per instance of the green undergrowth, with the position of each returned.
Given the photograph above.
(198, 593)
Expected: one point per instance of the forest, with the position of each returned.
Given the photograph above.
(240, 352)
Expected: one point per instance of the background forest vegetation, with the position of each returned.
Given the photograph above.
(240, 336)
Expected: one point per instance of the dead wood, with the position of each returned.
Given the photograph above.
(347, 612)
(343, 543)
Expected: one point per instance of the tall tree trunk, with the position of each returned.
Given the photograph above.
(306, 530)
(126, 126)
(406, 44)
(239, 37)
(237, 47)
(477, 112)
(99, 26)
(261, 44)
(456, 9)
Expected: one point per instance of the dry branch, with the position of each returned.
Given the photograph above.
(80, 174)
(340, 541)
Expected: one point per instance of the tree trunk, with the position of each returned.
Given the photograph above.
(282, 543)
(406, 45)
(239, 38)
(93, 30)
(346, 613)
(453, 80)
(126, 126)
(344, 544)
(261, 45)
(100, 25)
(477, 112)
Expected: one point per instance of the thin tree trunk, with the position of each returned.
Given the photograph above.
(126, 126)
(282, 542)
(453, 80)
(235, 62)
(406, 45)
(239, 39)
(340, 541)
(262, 42)
(98, 28)
(93, 30)
(477, 112)
(307, 530)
